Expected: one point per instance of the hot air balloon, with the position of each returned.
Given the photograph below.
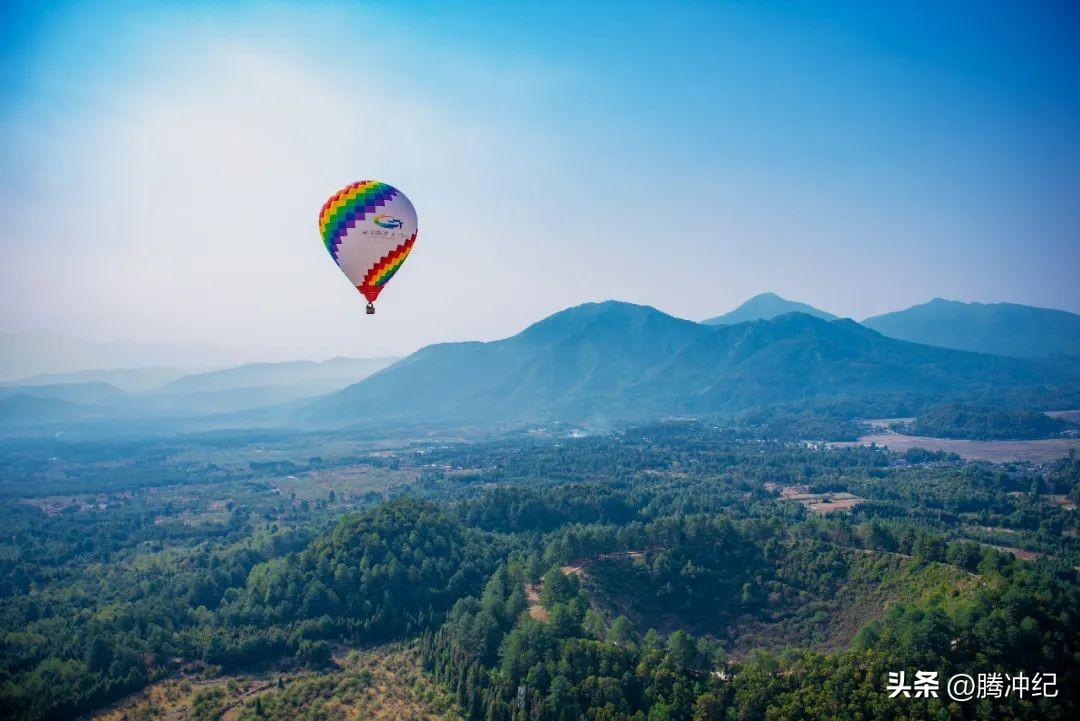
(369, 228)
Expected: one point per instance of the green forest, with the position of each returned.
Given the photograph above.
(970, 420)
(679, 570)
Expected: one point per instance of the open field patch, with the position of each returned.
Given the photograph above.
(821, 503)
(1033, 451)
(344, 481)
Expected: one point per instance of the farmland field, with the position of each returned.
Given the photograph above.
(1034, 451)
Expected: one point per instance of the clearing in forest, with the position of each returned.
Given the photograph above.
(381, 683)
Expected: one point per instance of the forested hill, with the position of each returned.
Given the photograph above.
(1007, 329)
(965, 420)
(622, 361)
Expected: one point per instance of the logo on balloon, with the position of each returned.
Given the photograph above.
(387, 221)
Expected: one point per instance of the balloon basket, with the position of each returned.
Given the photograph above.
(370, 310)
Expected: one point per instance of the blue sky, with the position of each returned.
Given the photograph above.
(161, 167)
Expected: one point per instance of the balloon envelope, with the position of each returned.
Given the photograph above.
(369, 229)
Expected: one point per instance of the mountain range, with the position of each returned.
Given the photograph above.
(622, 361)
(607, 360)
(1007, 329)
(232, 390)
(133, 380)
(41, 352)
(311, 375)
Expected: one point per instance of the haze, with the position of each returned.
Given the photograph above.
(162, 168)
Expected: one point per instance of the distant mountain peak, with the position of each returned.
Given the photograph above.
(766, 306)
(595, 318)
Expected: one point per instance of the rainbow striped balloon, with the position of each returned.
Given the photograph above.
(369, 228)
